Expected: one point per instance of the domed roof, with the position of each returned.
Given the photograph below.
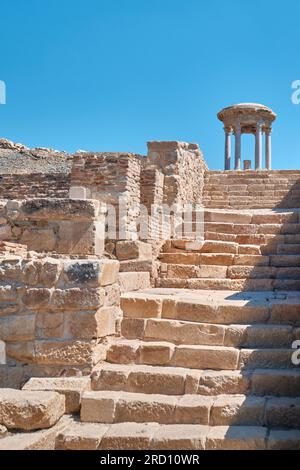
(247, 108)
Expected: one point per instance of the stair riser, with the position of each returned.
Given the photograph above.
(209, 334)
(261, 383)
(231, 284)
(194, 357)
(247, 313)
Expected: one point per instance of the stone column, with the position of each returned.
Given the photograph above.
(237, 156)
(268, 149)
(258, 147)
(228, 133)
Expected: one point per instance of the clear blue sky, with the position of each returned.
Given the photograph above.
(112, 74)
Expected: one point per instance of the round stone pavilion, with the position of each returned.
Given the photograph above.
(247, 118)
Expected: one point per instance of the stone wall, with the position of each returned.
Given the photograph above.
(56, 315)
(252, 189)
(24, 186)
(54, 225)
(183, 167)
(113, 178)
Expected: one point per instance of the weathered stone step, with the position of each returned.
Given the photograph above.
(229, 259)
(252, 217)
(71, 388)
(230, 284)
(165, 353)
(187, 271)
(185, 332)
(198, 356)
(43, 439)
(217, 307)
(154, 436)
(264, 358)
(169, 380)
(179, 381)
(121, 407)
(287, 228)
(30, 410)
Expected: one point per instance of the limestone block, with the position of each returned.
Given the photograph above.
(184, 332)
(127, 250)
(141, 306)
(132, 328)
(49, 325)
(237, 409)
(20, 351)
(36, 298)
(283, 412)
(39, 240)
(151, 379)
(67, 352)
(236, 438)
(129, 436)
(76, 298)
(92, 273)
(193, 409)
(49, 272)
(275, 382)
(17, 328)
(106, 318)
(223, 382)
(110, 377)
(81, 436)
(288, 439)
(205, 357)
(94, 324)
(123, 352)
(112, 295)
(28, 410)
(99, 406)
(71, 388)
(134, 281)
(55, 209)
(43, 439)
(76, 237)
(139, 266)
(141, 408)
(180, 437)
(158, 353)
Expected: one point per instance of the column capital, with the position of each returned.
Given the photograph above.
(268, 130)
(259, 126)
(228, 130)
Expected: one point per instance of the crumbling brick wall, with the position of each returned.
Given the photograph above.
(24, 186)
(113, 178)
(56, 315)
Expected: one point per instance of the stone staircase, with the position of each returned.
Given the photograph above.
(205, 359)
(252, 189)
(196, 370)
(252, 250)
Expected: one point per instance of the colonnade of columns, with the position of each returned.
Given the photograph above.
(237, 131)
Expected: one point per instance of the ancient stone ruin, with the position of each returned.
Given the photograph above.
(147, 302)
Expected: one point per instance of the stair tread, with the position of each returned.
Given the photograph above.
(131, 435)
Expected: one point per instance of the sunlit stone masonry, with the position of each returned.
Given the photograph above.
(120, 330)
